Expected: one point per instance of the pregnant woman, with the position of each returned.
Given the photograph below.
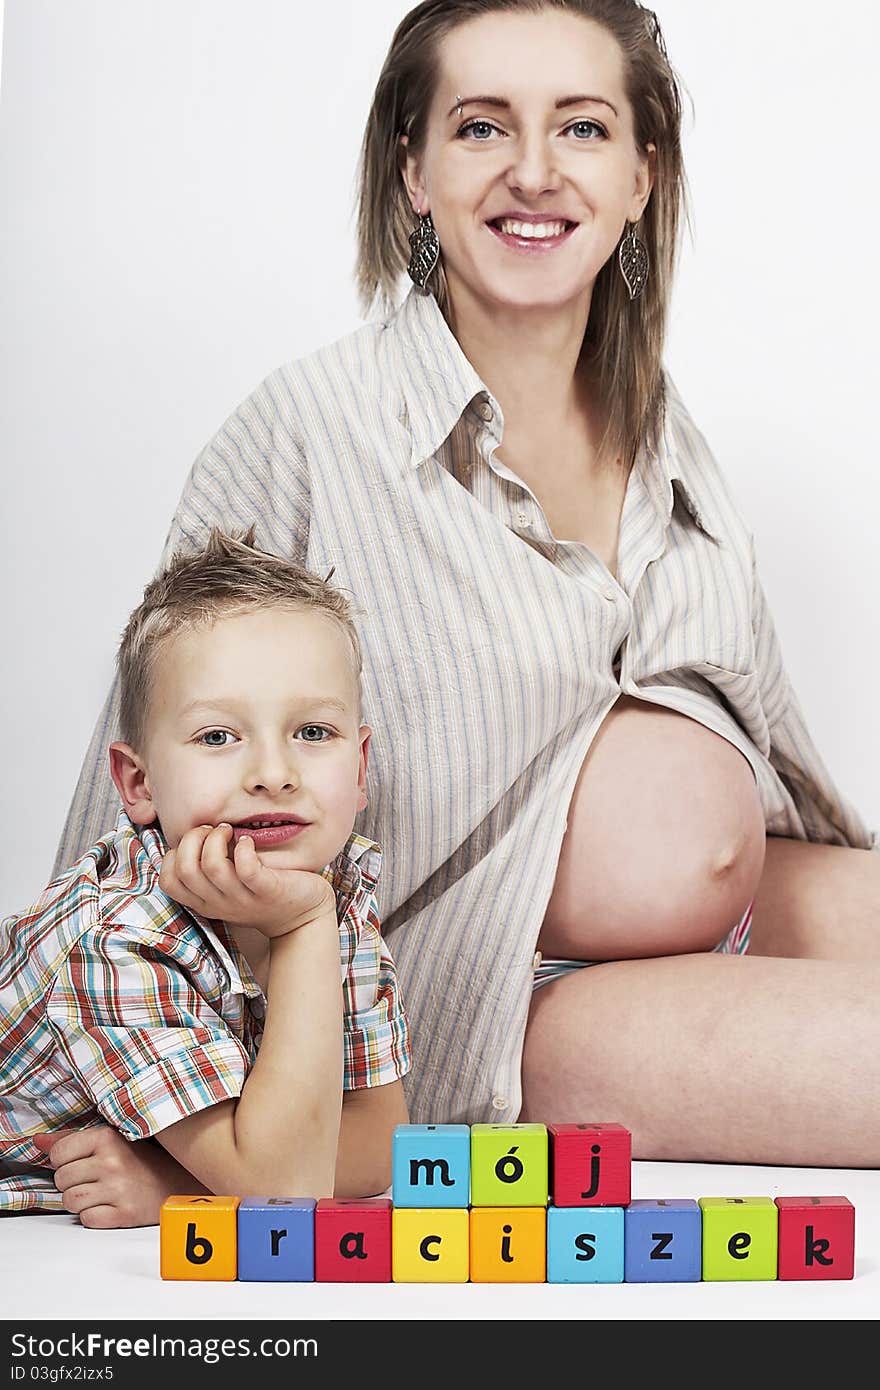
(619, 883)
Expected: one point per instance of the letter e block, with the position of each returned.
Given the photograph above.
(585, 1245)
(198, 1238)
(740, 1237)
(353, 1240)
(509, 1165)
(431, 1166)
(590, 1165)
(817, 1237)
(508, 1245)
(276, 1239)
(664, 1241)
(430, 1247)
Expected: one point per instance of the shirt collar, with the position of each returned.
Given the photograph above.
(680, 469)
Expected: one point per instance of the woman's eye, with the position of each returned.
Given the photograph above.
(486, 127)
(215, 738)
(592, 128)
(314, 733)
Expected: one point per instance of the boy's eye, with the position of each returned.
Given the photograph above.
(215, 738)
(314, 733)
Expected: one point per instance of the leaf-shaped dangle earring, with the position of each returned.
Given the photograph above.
(425, 251)
(632, 256)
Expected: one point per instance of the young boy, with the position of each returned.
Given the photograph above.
(182, 982)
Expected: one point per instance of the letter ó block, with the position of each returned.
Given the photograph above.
(740, 1237)
(509, 1165)
(590, 1165)
(353, 1240)
(198, 1238)
(585, 1245)
(508, 1245)
(817, 1237)
(664, 1241)
(276, 1239)
(431, 1166)
(430, 1247)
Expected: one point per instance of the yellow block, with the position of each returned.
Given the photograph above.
(508, 1245)
(198, 1238)
(430, 1245)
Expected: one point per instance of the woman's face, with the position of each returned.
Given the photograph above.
(530, 188)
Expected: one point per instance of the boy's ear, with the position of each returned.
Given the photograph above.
(364, 734)
(130, 779)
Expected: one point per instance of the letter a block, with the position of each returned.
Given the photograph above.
(198, 1238)
(590, 1165)
(508, 1245)
(430, 1247)
(509, 1165)
(817, 1237)
(585, 1246)
(353, 1240)
(276, 1239)
(664, 1241)
(431, 1166)
(740, 1237)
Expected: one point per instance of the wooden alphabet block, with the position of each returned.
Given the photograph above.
(663, 1241)
(430, 1246)
(353, 1240)
(585, 1245)
(740, 1237)
(276, 1239)
(590, 1165)
(509, 1165)
(198, 1238)
(431, 1166)
(508, 1245)
(817, 1237)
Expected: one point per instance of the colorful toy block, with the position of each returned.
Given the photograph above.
(585, 1246)
(431, 1166)
(663, 1241)
(509, 1165)
(276, 1239)
(590, 1165)
(508, 1245)
(816, 1238)
(740, 1237)
(430, 1246)
(353, 1240)
(198, 1238)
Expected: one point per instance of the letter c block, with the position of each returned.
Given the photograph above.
(353, 1240)
(198, 1238)
(509, 1165)
(430, 1247)
(740, 1237)
(431, 1166)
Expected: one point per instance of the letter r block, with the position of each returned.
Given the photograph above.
(353, 1240)
(740, 1237)
(198, 1238)
(816, 1237)
(509, 1165)
(276, 1239)
(431, 1166)
(590, 1165)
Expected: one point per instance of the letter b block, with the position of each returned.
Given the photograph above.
(740, 1237)
(198, 1238)
(276, 1239)
(509, 1165)
(353, 1240)
(816, 1237)
(590, 1165)
(431, 1165)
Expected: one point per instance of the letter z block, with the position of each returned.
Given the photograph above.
(585, 1245)
(431, 1166)
(590, 1165)
(817, 1237)
(509, 1165)
(740, 1237)
(198, 1238)
(664, 1241)
(353, 1240)
(276, 1239)
(508, 1245)
(430, 1247)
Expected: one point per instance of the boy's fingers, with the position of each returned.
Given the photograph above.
(216, 865)
(186, 864)
(66, 1145)
(248, 864)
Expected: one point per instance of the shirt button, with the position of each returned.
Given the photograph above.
(537, 961)
(499, 1103)
(609, 594)
(486, 411)
(523, 519)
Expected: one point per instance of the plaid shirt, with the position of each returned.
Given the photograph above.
(117, 1004)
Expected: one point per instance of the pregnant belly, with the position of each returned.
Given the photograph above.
(665, 841)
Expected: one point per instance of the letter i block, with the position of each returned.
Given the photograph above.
(430, 1247)
(590, 1165)
(276, 1239)
(817, 1237)
(431, 1166)
(508, 1245)
(664, 1241)
(509, 1165)
(198, 1238)
(585, 1246)
(353, 1240)
(740, 1237)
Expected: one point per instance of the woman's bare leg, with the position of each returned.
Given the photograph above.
(709, 1058)
(818, 901)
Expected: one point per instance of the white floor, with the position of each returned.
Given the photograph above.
(53, 1268)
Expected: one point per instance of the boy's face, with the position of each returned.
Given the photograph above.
(254, 718)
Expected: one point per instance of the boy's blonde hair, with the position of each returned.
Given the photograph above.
(229, 575)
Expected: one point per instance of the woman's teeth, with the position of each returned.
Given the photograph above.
(537, 230)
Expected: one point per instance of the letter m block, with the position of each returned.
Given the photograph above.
(431, 1166)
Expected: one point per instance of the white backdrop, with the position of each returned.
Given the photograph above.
(177, 186)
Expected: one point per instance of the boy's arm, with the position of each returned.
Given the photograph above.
(363, 1161)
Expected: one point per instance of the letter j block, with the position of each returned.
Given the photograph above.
(590, 1165)
(198, 1238)
(431, 1166)
(816, 1237)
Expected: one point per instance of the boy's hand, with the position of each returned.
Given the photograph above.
(241, 889)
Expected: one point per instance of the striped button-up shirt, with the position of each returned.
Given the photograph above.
(119, 1005)
(492, 653)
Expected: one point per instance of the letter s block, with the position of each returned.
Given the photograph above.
(431, 1166)
(817, 1237)
(430, 1247)
(509, 1165)
(590, 1165)
(353, 1240)
(198, 1238)
(740, 1237)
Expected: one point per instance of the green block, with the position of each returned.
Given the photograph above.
(740, 1237)
(509, 1165)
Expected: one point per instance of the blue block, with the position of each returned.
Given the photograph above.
(664, 1241)
(431, 1166)
(584, 1245)
(276, 1239)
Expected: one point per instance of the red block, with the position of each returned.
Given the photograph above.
(590, 1165)
(353, 1240)
(817, 1237)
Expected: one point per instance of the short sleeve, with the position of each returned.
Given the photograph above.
(376, 1047)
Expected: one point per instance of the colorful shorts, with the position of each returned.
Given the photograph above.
(735, 943)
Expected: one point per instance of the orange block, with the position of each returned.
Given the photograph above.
(508, 1245)
(198, 1238)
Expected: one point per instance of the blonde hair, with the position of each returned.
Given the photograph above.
(623, 343)
(229, 575)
